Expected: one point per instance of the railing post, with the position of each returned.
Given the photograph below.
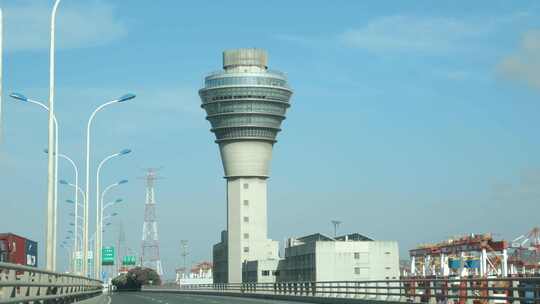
(400, 290)
(387, 296)
(485, 291)
(432, 291)
(471, 290)
(360, 293)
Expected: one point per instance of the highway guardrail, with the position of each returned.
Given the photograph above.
(23, 284)
(411, 290)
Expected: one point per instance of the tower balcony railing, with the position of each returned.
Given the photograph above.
(410, 290)
(222, 72)
(23, 284)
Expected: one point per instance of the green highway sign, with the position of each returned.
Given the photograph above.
(107, 256)
(129, 260)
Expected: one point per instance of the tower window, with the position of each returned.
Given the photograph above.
(246, 235)
(246, 219)
(246, 186)
(246, 203)
(246, 249)
(356, 270)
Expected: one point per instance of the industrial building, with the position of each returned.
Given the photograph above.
(318, 257)
(220, 260)
(201, 273)
(462, 256)
(245, 104)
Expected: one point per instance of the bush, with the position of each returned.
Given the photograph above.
(135, 278)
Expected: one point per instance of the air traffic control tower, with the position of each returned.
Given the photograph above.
(245, 104)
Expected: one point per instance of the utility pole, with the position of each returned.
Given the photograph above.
(336, 226)
(184, 244)
(120, 252)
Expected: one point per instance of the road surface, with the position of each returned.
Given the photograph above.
(171, 298)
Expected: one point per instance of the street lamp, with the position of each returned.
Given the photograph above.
(98, 210)
(109, 204)
(77, 217)
(110, 187)
(78, 188)
(110, 216)
(51, 182)
(52, 206)
(52, 167)
(76, 170)
(87, 196)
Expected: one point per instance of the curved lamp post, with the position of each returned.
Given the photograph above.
(97, 250)
(76, 170)
(51, 214)
(87, 196)
(110, 187)
(104, 207)
(76, 187)
(110, 204)
(52, 166)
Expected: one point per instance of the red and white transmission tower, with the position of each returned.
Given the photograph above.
(150, 241)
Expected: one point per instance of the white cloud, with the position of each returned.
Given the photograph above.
(79, 24)
(524, 65)
(414, 34)
(526, 189)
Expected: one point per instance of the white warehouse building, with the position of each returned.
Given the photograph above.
(318, 257)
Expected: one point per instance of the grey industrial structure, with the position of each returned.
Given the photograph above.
(245, 104)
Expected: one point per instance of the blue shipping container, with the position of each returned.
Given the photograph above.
(31, 253)
(454, 264)
(473, 264)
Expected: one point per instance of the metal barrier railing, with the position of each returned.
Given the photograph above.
(418, 290)
(23, 284)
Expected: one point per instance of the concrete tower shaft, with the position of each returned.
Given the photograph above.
(245, 104)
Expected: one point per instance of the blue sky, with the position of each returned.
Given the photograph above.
(409, 121)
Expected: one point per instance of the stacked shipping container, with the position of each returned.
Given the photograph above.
(18, 250)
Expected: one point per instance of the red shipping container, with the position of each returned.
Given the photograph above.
(16, 248)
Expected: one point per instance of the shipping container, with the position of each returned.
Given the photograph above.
(3, 251)
(454, 263)
(18, 250)
(473, 263)
(31, 253)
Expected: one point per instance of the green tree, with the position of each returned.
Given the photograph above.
(135, 278)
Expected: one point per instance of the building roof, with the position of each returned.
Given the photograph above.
(316, 237)
(354, 237)
(319, 237)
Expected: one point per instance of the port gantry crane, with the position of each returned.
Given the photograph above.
(525, 256)
(475, 254)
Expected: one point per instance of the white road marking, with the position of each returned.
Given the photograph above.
(109, 299)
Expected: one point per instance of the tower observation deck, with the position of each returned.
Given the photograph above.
(245, 104)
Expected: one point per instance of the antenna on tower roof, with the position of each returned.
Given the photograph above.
(336, 224)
